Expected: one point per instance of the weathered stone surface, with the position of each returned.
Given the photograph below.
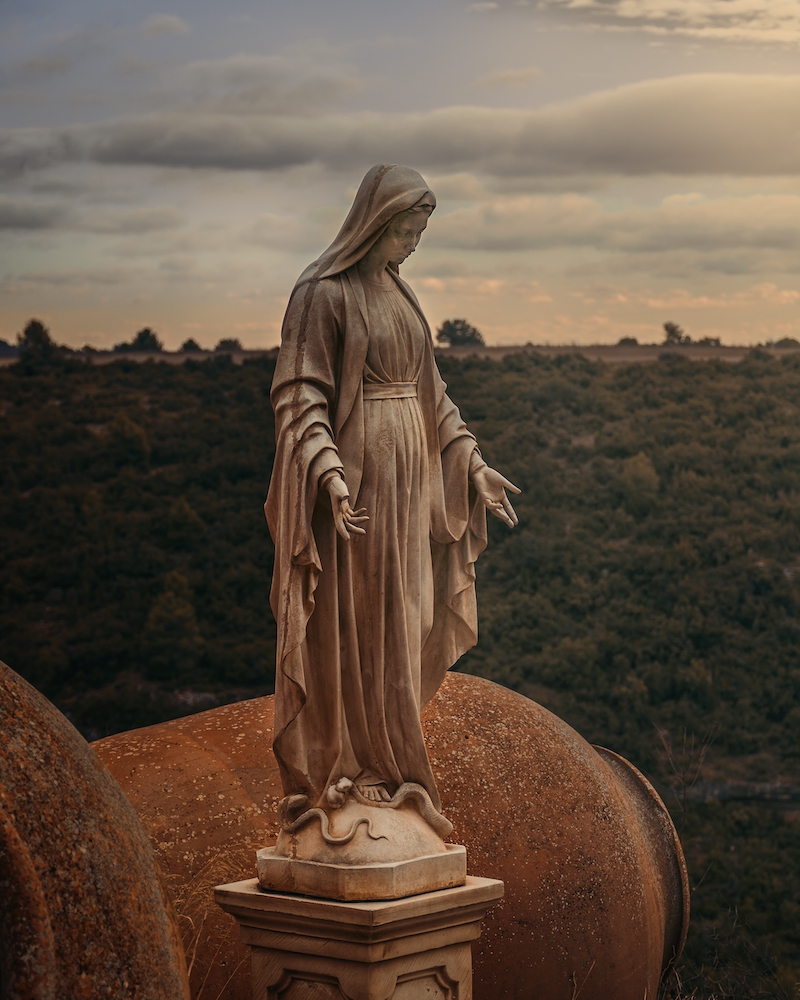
(82, 912)
(417, 948)
(362, 834)
(596, 895)
(381, 880)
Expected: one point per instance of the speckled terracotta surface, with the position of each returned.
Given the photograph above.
(82, 911)
(595, 900)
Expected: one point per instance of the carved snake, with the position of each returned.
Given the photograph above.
(324, 823)
(409, 790)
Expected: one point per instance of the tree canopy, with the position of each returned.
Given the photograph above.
(229, 344)
(459, 333)
(145, 340)
(35, 343)
(673, 334)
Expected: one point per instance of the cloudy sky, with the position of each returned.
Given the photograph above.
(601, 166)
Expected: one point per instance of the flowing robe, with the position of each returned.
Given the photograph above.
(366, 628)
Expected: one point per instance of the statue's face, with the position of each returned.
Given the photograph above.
(401, 238)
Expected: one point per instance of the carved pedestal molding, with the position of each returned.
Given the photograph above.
(417, 948)
(385, 880)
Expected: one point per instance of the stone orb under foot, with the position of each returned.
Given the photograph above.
(368, 834)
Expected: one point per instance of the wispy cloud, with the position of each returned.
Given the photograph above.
(770, 21)
(16, 213)
(134, 221)
(164, 24)
(75, 279)
(761, 222)
(511, 77)
(284, 232)
(246, 84)
(56, 58)
(682, 298)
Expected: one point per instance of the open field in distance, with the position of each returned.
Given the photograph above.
(609, 353)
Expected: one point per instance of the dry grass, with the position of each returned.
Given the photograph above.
(210, 936)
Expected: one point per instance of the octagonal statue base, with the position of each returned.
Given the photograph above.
(417, 948)
(379, 880)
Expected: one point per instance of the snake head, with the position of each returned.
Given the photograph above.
(337, 794)
(290, 807)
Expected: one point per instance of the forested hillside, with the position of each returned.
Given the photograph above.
(650, 596)
(654, 580)
(137, 559)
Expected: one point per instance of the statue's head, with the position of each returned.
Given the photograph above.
(402, 235)
(392, 203)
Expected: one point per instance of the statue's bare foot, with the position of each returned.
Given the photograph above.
(375, 793)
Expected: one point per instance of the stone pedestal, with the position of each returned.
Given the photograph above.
(417, 948)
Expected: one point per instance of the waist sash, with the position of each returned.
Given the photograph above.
(390, 390)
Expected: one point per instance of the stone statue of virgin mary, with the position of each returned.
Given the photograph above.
(377, 509)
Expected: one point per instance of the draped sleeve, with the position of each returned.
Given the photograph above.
(458, 525)
(304, 395)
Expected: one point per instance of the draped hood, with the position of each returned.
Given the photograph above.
(384, 192)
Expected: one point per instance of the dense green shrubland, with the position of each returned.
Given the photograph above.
(136, 556)
(654, 579)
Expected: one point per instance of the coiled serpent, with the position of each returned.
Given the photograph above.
(344, 787)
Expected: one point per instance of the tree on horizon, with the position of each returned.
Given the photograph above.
(459, 333)
(145, 340)
(35, 341)
(673, 334)
(229, 344)
(35, 346)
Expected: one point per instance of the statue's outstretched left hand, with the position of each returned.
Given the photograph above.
(491, 487)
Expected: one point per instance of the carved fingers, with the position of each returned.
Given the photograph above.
(491, 487)
(347, 521)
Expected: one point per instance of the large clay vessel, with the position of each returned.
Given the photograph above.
(82, 910)
(596, 902)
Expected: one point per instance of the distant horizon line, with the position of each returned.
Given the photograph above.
(9, 352)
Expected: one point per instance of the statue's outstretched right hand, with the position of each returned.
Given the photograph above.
(348, 521)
